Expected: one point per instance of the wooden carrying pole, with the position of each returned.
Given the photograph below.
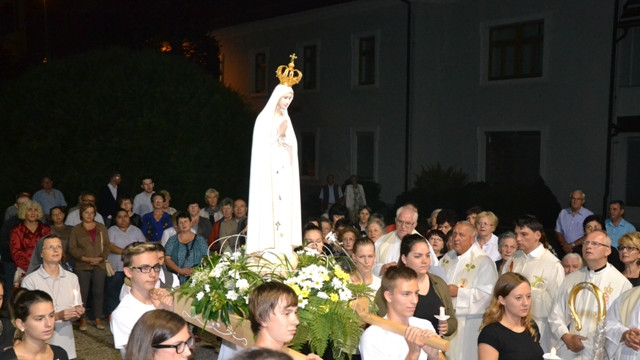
(361, 306)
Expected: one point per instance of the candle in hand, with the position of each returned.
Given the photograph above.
(442, 314)
(553, 351)
(76, 299)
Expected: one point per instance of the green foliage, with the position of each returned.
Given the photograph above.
(141, 112)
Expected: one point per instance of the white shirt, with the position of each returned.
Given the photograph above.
(379, 344)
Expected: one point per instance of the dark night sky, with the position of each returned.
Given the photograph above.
(77, 25)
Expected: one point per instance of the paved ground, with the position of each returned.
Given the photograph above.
(98, 344)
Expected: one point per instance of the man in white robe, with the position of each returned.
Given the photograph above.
(623, 323)
(388, 245)
(472, 275)
(543, 270)
(571, 343)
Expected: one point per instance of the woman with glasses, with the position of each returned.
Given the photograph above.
(629, 249)
(63, 288)
(486, 223)
(89, 244)
(160, 335)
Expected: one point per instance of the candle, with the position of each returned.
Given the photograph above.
(76, 299)
(553, 351)
(442, 314)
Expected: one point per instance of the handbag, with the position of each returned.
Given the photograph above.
(107, 265)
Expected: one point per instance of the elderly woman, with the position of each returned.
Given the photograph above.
(89, 244)
(375, 229)
(486, 223)
(347, 237)
(25, 235)
(63, 232)
(185, 249)
(507, 246)
(436, 238)
(629, 248)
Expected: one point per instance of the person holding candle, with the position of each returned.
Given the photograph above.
(63, 288)
(508, 330)
(433, 291)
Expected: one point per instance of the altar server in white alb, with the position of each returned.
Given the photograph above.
(571, 343)
(274, 221)
(400, 291)
(472, 275)
(543, 270)
(623, 326)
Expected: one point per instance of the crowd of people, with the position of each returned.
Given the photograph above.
(116, 258)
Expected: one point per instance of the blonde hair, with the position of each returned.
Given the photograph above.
(630, 239)
(504, 286)
(29, 205)
(493, 219)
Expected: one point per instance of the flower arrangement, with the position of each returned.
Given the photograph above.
(223, 282)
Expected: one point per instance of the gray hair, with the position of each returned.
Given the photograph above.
(505, 235)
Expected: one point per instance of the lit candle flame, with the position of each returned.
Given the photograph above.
(442, 314)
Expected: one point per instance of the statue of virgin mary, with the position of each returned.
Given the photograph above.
(274, 220)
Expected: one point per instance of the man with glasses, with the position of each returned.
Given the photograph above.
(141, 266)
(64, 289)
(543, 270)
(580, 344)
(388, 246)
(569, 222)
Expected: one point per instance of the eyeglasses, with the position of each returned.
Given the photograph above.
(145, 269)
(628, 248)
(404, 223)
(595, 244)
(180, 347)
(53, 248)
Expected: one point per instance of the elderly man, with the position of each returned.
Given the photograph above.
(472, 274)
(571, 262)
(543, 270)
(569, 222)
(616, 225)
(48, 197)
(388, 246)
(623, 326)
(580, 344)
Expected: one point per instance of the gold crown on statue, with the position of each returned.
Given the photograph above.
(288, 74)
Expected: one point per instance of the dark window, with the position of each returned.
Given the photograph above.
(309, 66)
(633, 171)
(365, 152)
(367, 61)
(515, 50)
(307, 153)
(512, 157)
(260, 71)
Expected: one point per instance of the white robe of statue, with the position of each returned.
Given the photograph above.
(274, 220)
